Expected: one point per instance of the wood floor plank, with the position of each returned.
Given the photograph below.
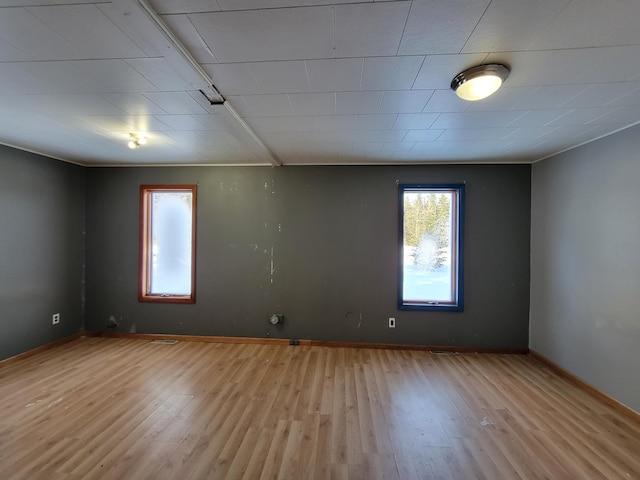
(126, 409)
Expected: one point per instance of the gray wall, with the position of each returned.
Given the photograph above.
(585, 263)
(41, 250)
(332, 235)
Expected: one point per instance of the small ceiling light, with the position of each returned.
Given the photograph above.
(479, 82)
(136, 141)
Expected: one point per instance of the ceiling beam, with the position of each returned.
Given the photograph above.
(183, 62)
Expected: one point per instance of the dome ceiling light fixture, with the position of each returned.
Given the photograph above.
(479, 82)
(136, 140)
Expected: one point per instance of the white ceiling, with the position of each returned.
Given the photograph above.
(313, 81)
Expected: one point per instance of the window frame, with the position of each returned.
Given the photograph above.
(145, 247)
(457, 305)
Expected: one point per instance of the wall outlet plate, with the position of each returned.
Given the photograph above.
(55, 319)
(392, 322)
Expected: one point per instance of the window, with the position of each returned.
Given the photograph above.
(167, 243)
(430, 276)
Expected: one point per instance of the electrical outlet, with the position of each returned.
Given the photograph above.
(392, 322)
(55, 319)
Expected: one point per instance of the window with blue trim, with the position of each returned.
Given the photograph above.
(430, 238)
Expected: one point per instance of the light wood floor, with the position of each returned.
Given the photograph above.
(129, 409)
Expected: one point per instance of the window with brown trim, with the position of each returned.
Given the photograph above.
(167, 243)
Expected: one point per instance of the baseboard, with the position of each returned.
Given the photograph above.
(191, 338)
(429, 348)
(35, 351)
(312, 343)
(612, 402)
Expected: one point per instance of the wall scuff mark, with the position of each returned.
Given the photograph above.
(273, 269)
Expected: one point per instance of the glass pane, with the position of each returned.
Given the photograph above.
(428, 263)
(171, 243)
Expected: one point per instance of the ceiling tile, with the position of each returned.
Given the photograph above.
(375, 122)
(528, 133)
(263, 105)
(437, 71)
(10, 53)
(335, 75)
(337, 137)
(572, 67)
(591, 23)
(185, 140)
(585, 135)
(584, 116)
(358, 102)
(430, 147)
(69, 104)
(411, 101)
(471, 134)
(335, 123)
(133, 103)
(186, 32)
(371, 29)
(446, 101)
(27, 3)
(283, 140)
(234, 36)
(179, 122)
(440, 27)
(88, 29)
(414, 121)
(422, 135)
(147, 123)
(160, 73)
(35, 38)
(510, 25)
(65, 77)
(211, 122)
(299, 33)
(388, 135)
(110, 124)
(308, 3)
(537, 118)
(116, 76)
(390, 73)
(507, 98)
(564, 131)
(265, 124)
(475, 119)
(29, 78)
(397, 146)
(298, 124)
(604, 94)
(281, 77)
(313, 103)
(549, 96)
(233, 78)
(179, 103)
(254, 4)
(184, 6)
(632, 98)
